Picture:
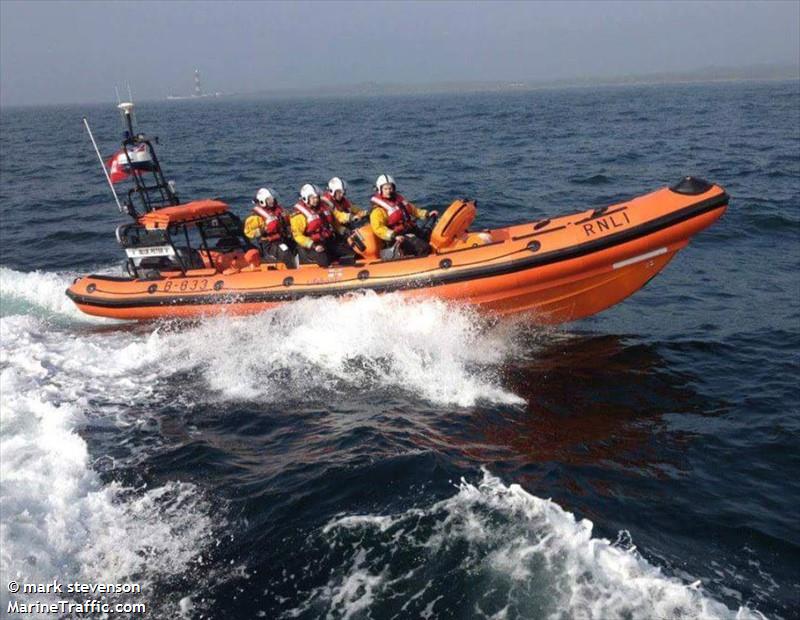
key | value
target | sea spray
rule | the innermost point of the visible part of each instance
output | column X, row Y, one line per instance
column 60, row 520
column 314, row 347
column 40, row 293
column 514, row 555
column 441, row 352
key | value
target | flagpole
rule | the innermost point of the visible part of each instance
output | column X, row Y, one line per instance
column 103, row 166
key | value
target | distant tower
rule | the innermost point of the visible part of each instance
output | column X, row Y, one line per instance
column 198, row 91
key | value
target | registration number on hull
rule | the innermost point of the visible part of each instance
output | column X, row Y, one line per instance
column 183, row 286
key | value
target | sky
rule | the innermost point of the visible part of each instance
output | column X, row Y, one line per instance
column 75, row 52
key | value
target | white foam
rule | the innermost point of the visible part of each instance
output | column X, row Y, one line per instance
column 355, row 593
column 42, row 291
column 436, row 351
column 439, row 352
column 528, row 551
column 59, row 519
column 433, row 350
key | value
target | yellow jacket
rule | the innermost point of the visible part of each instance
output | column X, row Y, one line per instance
column 259, row 228
column 253, row 227
column 298, row 223
column 355, row 212
column 378, row 219
column 344, row 216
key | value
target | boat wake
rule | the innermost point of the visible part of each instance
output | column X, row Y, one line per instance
column 513, row 555
column 440, row 352
column 66, row 516
column 40, row 293
column 314, row 348
column 60, row 519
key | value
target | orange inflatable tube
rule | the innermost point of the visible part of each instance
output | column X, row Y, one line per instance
column 557, row 270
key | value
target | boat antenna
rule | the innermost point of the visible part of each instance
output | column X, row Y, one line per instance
column 103, row 166
column 166, row 190
column 126, row 109
column 116, row 90
column 130, row 97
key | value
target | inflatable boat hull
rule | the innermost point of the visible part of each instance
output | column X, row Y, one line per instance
column 556, row 270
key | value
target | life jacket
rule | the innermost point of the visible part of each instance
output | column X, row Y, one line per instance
column 274, row 222
column 398, row 212
column 331, row 203
column 319, row 224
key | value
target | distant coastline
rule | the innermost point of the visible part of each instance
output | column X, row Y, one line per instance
column 755, row 73
column 770, row 72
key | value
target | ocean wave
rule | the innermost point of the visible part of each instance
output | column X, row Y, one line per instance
column 514, row 555
column 442, row 353
column 595, row 179
column 40, row 293
column 60, row 519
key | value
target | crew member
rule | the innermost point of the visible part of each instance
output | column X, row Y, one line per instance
column 394, row 220
column 268, row 227
column 313, row 228
column 346, row 214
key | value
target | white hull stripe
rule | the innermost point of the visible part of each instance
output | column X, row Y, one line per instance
column 640, row 258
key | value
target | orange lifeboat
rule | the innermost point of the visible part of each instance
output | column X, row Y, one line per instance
column 557, row 270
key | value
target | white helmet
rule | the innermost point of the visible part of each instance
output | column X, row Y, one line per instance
column 308, row 190
column 337, row 184
column 383, row 180
column 264, row 194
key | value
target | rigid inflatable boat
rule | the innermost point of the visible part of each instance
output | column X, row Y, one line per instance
column 191, row 260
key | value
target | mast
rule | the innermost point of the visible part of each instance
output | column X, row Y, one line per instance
column 103, row 165
column 198, row 91
column 161, row 193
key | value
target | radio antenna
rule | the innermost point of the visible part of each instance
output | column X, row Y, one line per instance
column 126, row 109
column 103, row 166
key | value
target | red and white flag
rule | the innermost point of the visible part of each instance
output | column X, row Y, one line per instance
column 119, row 167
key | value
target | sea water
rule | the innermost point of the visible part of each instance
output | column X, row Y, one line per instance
column 374, row 457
